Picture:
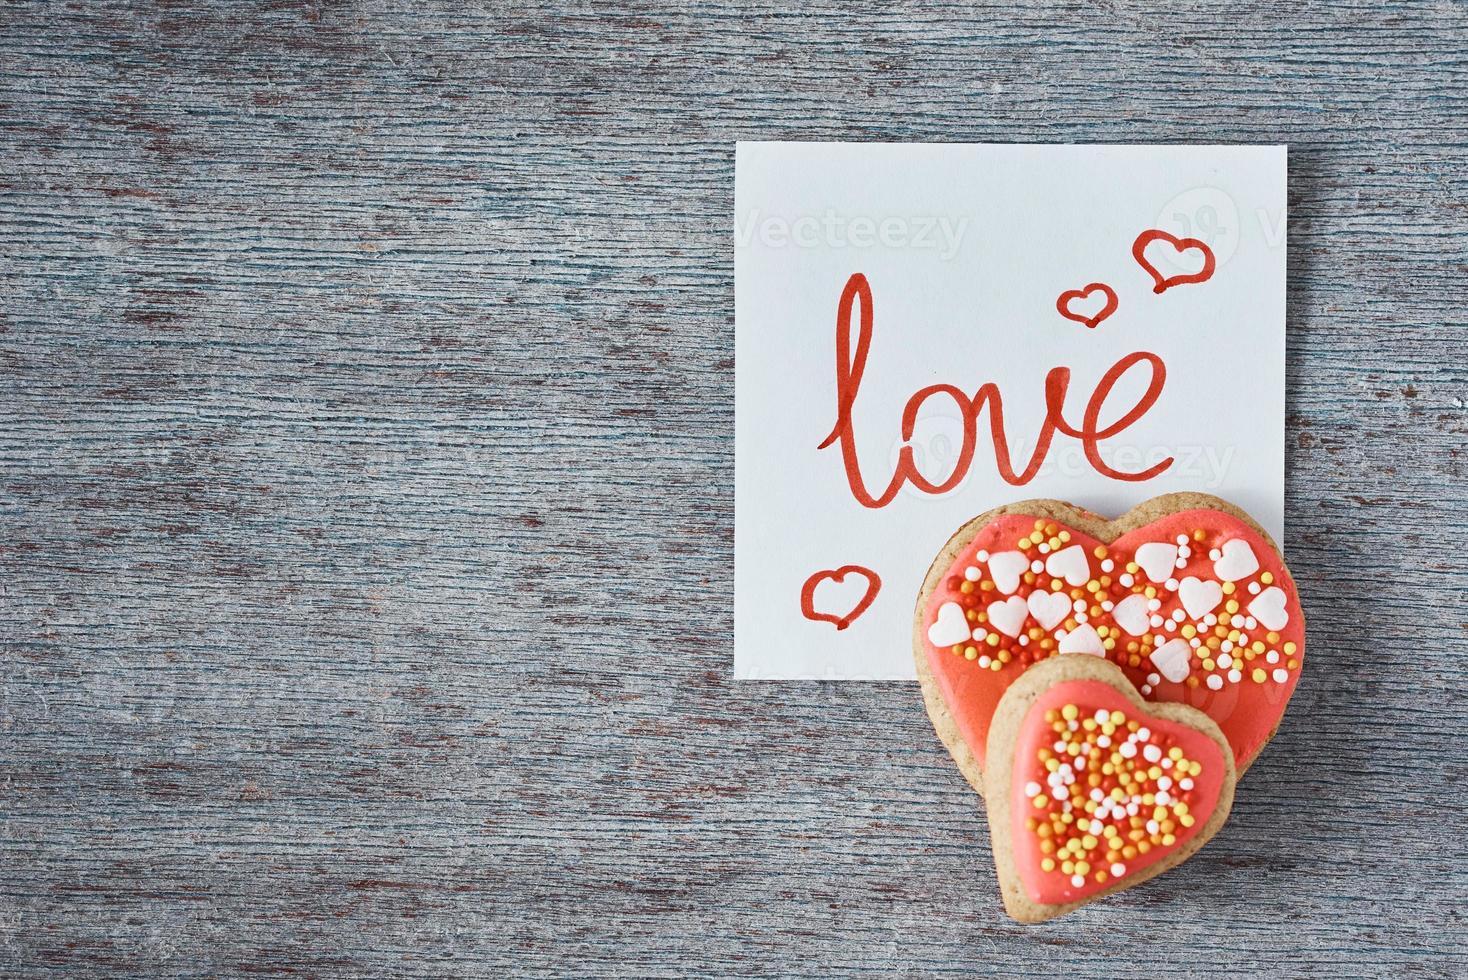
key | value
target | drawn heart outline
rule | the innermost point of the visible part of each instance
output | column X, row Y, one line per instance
column 1019, row 790
column 1246, row 694
column 1062, row 304
column 838, row 575
column 1163, row 283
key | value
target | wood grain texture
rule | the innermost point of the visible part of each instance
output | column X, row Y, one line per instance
column 366, row 469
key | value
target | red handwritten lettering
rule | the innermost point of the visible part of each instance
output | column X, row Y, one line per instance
column 851, row 366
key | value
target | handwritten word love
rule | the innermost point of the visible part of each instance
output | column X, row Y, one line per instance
column 851, row 366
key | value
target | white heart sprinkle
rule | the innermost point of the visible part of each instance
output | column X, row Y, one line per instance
column 1269, row 608
column 1008, row 616
column 950, row 627
column 1070, row 564
column 1199, row 597
column 1006, row 568
column 1172, row 660
column 1048, row 608
column 1236, row 561
column 1131, row 614
column 1156, row 559
column 1083, row 639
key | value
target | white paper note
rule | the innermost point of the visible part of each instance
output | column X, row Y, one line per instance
column 958, row 284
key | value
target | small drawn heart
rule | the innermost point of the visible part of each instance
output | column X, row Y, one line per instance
column 841, row 621
column 1106, row 299
column 1179, row 246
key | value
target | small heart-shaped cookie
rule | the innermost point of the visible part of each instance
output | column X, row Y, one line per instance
column 1090, row 790
column 1186, row 594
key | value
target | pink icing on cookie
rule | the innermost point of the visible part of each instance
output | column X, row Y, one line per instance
column 1100, row 792
column 1196, row 607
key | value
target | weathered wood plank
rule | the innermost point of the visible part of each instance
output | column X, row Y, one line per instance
column 366, row 491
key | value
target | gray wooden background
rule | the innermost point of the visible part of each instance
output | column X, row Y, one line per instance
column 366, row 467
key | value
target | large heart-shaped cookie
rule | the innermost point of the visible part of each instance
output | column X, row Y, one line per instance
column 1091, row 790
column 1185, row 593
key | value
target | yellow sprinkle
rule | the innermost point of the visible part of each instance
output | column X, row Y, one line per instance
column 1228, row 588
column 1188, row 631
column 1258, row 676
column 1289, row 647
column 1267, row 578
column 1069, row 712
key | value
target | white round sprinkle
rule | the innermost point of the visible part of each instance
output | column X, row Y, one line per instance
column 1226, row 646
column 1250, row 622
column 1210, row 620
column 1032, row 788
column 1037, row 567
column 1184, row 551
column 1225, row 661
column 1024, row 639
column 982, row 555
column 1144, row 733
column 1152, row 827
column 1170, row 625
column 1178, row 615
column 1234, row 676
column 1079, row 605
column 972, row 573
column 1167, row 763
column 1097, row 795
column 1195, row 643
column 1077, row 880
column 1163, row 798
column 1182, row 539
column 1170, row 585
column 1107, row 606
column 1281, row 675
column 1185, row 783
column 1127, row 750
column 1118, row 869
column 1154, row 604
column 1214, row 554
column 1215, row 683
column 1107, row 564
column 985, row 661
column 1154, row 678
column 1181, row 563
column 1253, row 588
column 1102, row 714
column 1146, row 689
column 1151, row 753
column 980, row 633
column 1104, row 741
column 1272, row 657
column 1155, row 621
column 1044, row 548
column 1165, row 782
column 1081, row 617
column 1126, row 579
